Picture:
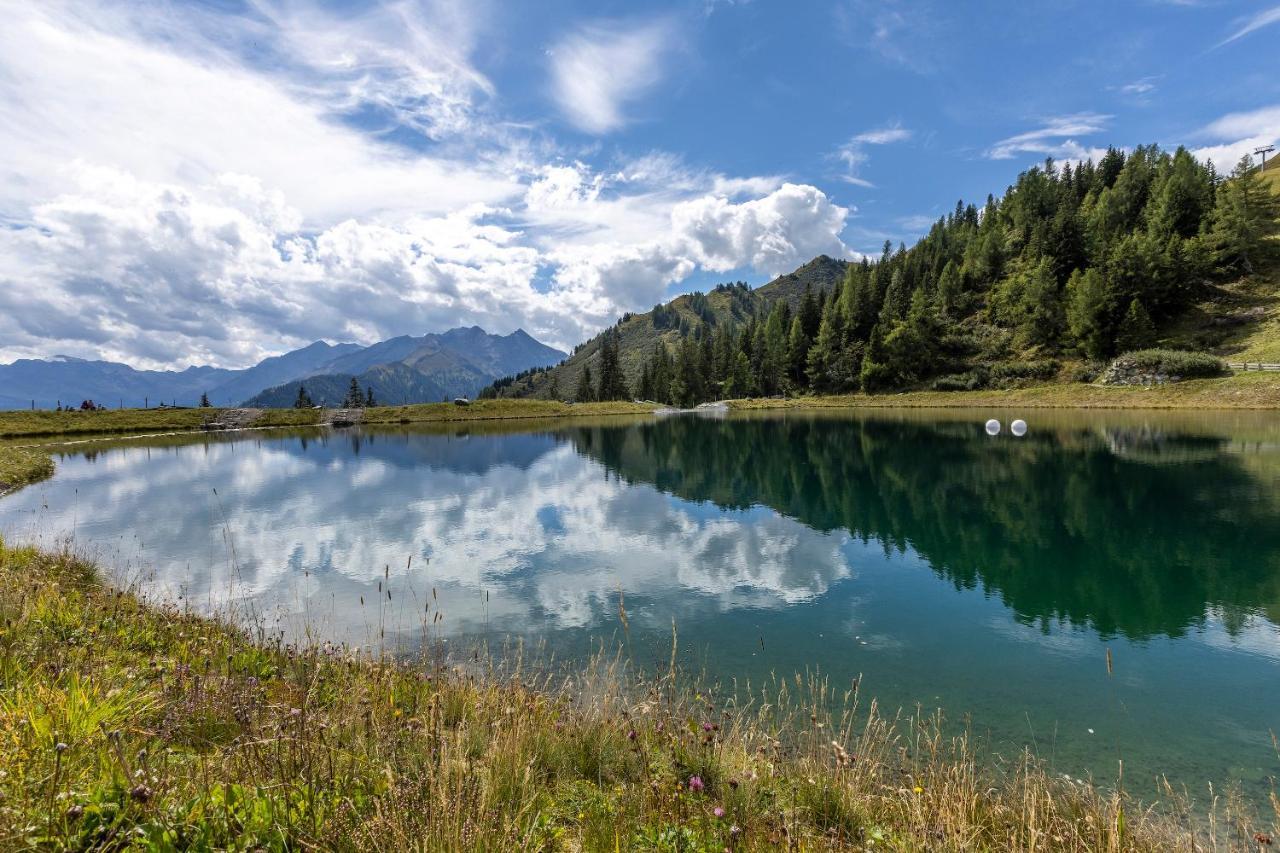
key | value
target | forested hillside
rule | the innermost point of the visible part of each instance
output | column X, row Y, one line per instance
column 1073, row 265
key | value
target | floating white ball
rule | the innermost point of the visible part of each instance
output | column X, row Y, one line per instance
column 1019, row 427
column 993, row 427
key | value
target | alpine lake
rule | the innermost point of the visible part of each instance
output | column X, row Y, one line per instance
column 1104, row 590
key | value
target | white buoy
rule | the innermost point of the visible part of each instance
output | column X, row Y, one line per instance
column 1018, row 428
column 993, row 427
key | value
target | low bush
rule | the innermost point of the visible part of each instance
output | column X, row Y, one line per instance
column 1045, row 369
column 1175, row 362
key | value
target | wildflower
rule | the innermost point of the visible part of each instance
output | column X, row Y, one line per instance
column 918, row 789
column 141, row 793
column 61, row 747
column 718, row 812
column 695, row 784
column 75, row 812
column 631, row 735
column 1262, row 838
column 706, row 727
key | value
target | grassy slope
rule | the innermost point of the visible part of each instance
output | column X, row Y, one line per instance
column 128, row 724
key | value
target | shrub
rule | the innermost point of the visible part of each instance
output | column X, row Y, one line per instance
column 970, row 381
column 1087, row 372
column 1046, row 369
column 1175, row 362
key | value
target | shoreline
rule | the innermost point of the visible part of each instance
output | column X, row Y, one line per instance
column 124, row 717
column 23, row 462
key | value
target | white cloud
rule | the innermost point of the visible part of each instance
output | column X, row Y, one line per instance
column 772, row 234
column 1244, row 27
column 1139, row 88
column 853, row 154
column 1056, row 137
column 1237, row 134
column 179, row 111
column 224, row 208
column 599, row 69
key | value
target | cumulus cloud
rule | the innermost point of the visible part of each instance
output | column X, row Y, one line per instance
column 222, row 208
column 1057, row 137
column 163, row 274
column 772, row 234
column 599, row 69
column 1237, row 134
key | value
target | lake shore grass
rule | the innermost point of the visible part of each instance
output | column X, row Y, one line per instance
column 128, row 724
column 21, row 466
column 21, row 423
column 23, row 459
column 1254, row 390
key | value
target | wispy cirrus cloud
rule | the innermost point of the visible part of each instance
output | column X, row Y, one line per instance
column 601, row 68
column 853, row 154
column 1056, row 137
column 1140, row 88
column 1251, row 24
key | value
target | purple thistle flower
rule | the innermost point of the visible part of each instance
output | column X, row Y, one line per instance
column 718, row 812
column 695, row 784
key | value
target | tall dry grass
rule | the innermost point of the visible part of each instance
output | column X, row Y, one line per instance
column 125, row 726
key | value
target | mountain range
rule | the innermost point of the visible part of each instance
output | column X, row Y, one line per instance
column 404, row 369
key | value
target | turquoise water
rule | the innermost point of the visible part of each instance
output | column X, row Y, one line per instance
column 946, row 568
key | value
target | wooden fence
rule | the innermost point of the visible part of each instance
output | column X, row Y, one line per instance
column 1252, row 365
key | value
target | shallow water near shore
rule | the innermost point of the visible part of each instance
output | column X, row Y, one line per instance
column 989, row 576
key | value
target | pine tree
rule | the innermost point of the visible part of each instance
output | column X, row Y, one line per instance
column 368, row 397
column 737, row 383
column 1246, row 214
column 897, row 299
column 354, row 398
column 1136, row 331
column 586, row 390
column 613, row 386
column 822, row 354
column 797, row 353
column 304, row 400
column 949, row 290
column 204, row 401
column 1088, row 312
column 875, row 374
column 1043, row 316
column 553, row 387
column 773, row 357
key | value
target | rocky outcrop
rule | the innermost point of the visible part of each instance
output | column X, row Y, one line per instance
column 1127, row 371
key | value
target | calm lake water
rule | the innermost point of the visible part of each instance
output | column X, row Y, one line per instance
column 987, row 576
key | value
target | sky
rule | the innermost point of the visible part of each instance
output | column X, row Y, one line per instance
column 215, row 182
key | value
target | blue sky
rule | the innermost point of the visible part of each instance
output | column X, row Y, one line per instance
column 216, row 182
